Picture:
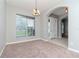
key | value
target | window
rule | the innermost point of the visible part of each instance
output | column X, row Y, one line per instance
column 25, row 26
column 49, row 27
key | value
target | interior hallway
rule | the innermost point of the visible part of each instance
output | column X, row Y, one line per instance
column 37, row 49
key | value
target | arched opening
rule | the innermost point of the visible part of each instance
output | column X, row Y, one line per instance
column 58, row 26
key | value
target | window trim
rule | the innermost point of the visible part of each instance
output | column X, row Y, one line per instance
column 26, row 16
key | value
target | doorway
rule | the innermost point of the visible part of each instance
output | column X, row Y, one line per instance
column 64, row 27
column 59, row 26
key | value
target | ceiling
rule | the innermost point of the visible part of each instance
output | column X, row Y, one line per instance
column 43, row 5
column 59, row 12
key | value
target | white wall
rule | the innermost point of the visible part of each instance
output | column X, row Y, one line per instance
column 2, row 24
column 73, row 24
column 11, row 24
column 59, row 28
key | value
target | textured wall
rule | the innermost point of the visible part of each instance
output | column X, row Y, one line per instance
column 2, row 24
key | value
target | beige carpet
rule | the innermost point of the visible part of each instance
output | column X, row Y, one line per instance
column 37, row 49
column 62, row 42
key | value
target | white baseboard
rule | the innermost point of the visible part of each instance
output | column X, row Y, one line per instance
column 24, row 41
column 73, row 50
column 2, row 51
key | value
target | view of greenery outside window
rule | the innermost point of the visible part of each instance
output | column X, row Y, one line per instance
column 25, row 26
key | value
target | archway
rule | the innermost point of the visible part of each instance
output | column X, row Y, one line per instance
column 58, row 29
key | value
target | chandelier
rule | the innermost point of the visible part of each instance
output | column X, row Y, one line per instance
column 35, row 11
